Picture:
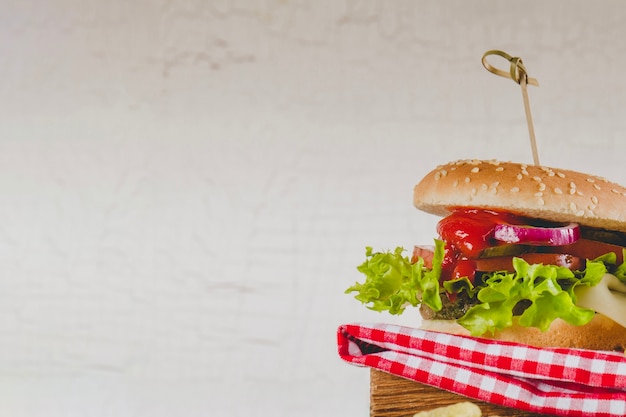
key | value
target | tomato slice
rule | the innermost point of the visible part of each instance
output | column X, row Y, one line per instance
column 505, row 263
column 570, row 256
column 425, row 252
column 591, row 249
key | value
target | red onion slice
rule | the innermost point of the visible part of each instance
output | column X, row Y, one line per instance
column 531, row 235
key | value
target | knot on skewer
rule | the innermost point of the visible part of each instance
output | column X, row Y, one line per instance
column 517, row 70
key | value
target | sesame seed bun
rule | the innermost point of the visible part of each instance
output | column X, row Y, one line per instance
column 529, row 190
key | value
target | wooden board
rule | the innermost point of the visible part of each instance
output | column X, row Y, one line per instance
column 392, row 396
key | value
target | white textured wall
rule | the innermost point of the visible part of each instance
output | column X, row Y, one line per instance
column 186, row 186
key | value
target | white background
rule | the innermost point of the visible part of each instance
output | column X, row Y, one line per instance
column 186, row 187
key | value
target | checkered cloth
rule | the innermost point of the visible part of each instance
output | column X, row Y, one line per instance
column 558, row 381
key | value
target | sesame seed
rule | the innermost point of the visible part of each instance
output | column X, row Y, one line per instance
column 572, row 206
column 514, row 190
column 572, row 185
column 551, row 173
column 539, row 194
column 591, row 180
column 538, row 179
column 560, row 175
column 467, row 179
column 542, row 186
column 475, row 170
column 580, row 213
column 596, row 186
column 444, row 172
column 437, row 176
column 500, row 169
column 541, row 202
column 613, row 190
column 572, row 191
column 452, row 168
column 594, row 199
column 557, row 190
column 519, row 176
column 484, row 187
column 474, row 191
column 455, row 183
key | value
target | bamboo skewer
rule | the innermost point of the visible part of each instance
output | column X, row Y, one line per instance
column 518, row 74
column 393, row 396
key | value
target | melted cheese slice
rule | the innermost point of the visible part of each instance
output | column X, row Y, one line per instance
column 608, row 298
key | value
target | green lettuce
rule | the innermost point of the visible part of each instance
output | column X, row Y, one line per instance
column 547, row 290
column 544, row 292
column 459, row 285
column 393, row 282
column 620, row 272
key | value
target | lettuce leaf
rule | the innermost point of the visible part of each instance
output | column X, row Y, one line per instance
column 459, row 285
column 534, row 295
column 392, row 282
column 620, row 272
column 545, row 292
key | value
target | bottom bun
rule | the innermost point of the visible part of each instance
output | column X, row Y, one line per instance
column 601, row 333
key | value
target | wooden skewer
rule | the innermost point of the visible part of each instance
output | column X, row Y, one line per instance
column 529, row 120
column 518, row 74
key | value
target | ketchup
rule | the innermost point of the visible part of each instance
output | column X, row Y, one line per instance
column 467, row 232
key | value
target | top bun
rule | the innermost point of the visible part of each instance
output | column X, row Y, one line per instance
column 528, row 190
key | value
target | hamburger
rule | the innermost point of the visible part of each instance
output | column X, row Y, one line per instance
column 523, row 253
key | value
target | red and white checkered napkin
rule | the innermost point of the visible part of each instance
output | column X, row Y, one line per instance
column 567, row 382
